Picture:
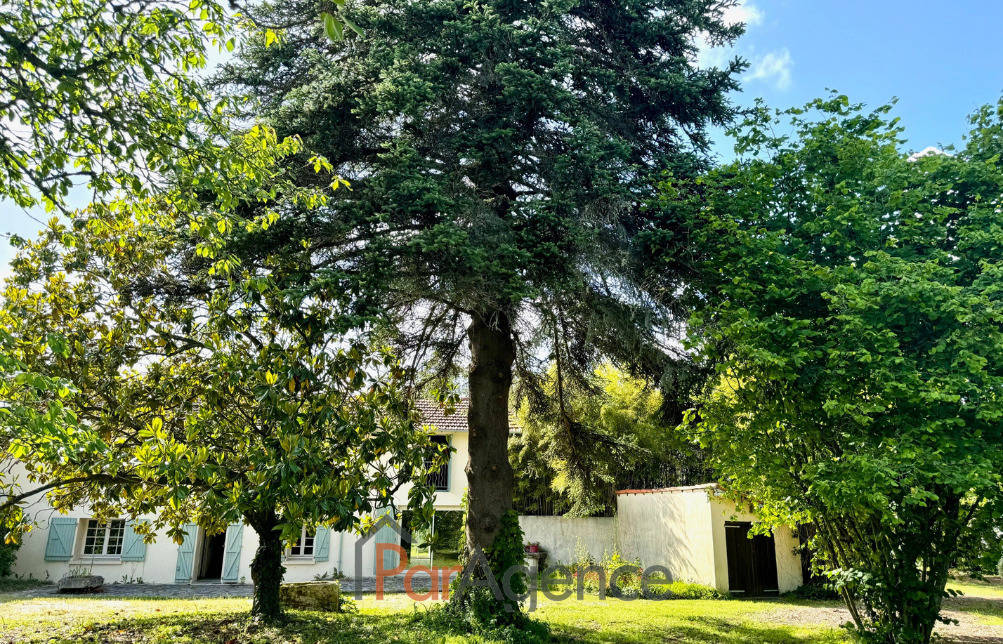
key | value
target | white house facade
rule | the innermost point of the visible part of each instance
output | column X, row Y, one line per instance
column 76, row 542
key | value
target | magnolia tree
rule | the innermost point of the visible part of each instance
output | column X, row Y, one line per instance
column 855, row 318
column 144, row 384
column 107, row 93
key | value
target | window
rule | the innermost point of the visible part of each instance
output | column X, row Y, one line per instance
column 439, row 479
column 303, row 546
column 104, row 538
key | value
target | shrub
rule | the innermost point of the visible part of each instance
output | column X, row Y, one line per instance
column 8, row 552
column 815, row 590
column 688, row 590
column 476, row 610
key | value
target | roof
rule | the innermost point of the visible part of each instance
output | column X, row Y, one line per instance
column 432, row 414
column 681, row 488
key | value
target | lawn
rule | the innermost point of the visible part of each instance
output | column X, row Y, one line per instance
column 397, row 619
column 106, row 619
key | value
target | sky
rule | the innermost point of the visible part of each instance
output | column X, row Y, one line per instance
column 941, row 59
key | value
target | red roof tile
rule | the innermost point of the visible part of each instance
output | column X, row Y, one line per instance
column 432, row 414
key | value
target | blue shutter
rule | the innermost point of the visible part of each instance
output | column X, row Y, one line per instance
column 62, row 533
column 231, row 553
column 133, row 546
column 186, row 555
column 387, row 534
column 321, row 544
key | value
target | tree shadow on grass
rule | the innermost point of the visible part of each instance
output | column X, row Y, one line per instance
column 971, row 604
column 231, row 628
column 700, row 629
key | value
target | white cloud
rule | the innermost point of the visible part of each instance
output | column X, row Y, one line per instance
column 926, row 152
column 773, row 67
column 741, row 12
column 745, row 12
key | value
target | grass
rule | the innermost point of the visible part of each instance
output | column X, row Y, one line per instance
column 105, row 618
column 396, row 619
column 982, row 599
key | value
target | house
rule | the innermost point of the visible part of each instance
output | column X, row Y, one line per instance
column 696, row 532
column 60, row 543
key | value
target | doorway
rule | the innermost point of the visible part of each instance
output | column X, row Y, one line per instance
column 752, row 563
column 211, row 561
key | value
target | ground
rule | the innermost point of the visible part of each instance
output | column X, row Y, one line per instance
column 39, row 616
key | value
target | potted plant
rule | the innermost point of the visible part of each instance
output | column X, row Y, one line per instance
column 533, row 546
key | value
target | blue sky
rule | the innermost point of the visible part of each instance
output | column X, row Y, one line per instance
column 942, row 59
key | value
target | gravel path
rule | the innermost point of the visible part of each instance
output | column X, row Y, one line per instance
column 420, row 582
column 969, row 629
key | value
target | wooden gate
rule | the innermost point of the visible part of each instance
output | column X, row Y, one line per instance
column 752, row 563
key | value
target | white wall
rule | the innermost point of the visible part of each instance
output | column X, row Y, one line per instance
column 559, row 536
column 671, row 529
column 157, row 567
column 679, row 528
column 451, row 499
column 161, row 556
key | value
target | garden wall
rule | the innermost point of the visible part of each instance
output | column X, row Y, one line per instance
column 559, row 536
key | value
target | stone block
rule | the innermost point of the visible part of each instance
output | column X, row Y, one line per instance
column 80, row 584
column 311, row 595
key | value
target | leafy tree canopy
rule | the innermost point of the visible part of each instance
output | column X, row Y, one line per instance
column 854, row 315
column 141, row 383
column 499, row 155
column 109, row 93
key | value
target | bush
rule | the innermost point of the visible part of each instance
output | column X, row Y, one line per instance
column 815, row 590
column 8, row 552
column 477, row 617
column 688, row 590
column 628, row 584
column 476, row 610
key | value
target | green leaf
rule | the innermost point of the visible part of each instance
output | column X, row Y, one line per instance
column 332, row 27
column 351, row 25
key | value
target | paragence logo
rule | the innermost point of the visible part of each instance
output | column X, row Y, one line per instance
column 557, row 583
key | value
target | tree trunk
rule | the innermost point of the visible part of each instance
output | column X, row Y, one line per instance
column 489, row 475
column 266, row 567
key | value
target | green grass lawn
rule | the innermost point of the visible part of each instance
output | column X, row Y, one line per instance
column 396, row 619
column 981, row 599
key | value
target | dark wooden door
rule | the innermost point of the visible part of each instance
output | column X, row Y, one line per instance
column 752, row 563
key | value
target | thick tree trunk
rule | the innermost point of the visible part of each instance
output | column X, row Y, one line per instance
column 266, row 567
column 489, row 475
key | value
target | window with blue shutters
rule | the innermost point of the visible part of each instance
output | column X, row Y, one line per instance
column 104, row 538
